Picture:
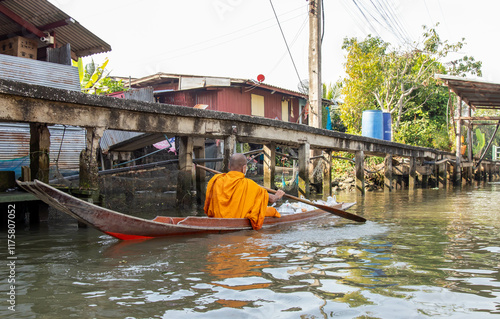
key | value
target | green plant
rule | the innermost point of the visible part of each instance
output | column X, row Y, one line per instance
column 480, row 142
column 94, row 79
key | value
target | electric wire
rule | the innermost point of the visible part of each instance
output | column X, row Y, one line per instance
column 287, row 47
column 236, row 33
column 322, row 20
column 383, row 15
column 291, row 45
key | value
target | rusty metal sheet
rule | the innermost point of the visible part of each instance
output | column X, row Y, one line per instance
column 39, row 72
column 15, row 144
column 42, row 13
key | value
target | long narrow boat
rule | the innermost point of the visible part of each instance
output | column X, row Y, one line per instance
column 127, row 227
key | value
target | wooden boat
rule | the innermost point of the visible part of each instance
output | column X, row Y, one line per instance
column 127, row 227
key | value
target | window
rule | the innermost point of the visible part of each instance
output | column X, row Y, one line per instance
column 284, row 111
column 257, row 105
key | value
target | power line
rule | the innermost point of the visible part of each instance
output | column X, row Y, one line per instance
column 219, row 40
column 291, row 44
column 383, row 14
column 284, row 39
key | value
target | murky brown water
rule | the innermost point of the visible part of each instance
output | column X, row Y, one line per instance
column 430, row 253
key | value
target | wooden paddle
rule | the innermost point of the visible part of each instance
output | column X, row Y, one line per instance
column 328, row 209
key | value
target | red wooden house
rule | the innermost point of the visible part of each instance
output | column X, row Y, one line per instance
column 226, row 94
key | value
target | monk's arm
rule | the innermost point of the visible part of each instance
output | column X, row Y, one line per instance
column 276, row 197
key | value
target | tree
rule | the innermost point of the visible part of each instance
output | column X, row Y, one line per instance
column 333, row 93
column 364, row 75
column 397, row 81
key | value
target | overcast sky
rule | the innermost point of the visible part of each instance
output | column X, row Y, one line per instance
column 241, row 38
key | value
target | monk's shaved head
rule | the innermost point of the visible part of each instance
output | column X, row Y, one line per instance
column 237, row 161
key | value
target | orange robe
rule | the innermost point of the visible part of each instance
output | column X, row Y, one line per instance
column 231, row 195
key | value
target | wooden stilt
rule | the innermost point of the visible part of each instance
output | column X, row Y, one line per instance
column 388, row 181
column 39, row 151
column 327, row 174
column 304, row 183
column 458, row 140
column 39, row 166
column 412, row 181
column 359, row 158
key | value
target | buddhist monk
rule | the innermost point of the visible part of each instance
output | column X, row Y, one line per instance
column 232, row 195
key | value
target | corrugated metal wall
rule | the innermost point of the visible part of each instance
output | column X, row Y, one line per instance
column 112, row 137
column 233, row 100
column 39, row 72
column 208, row 97
column 143, row 94
column 15, row 144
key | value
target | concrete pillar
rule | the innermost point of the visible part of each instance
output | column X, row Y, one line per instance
column 327, row 174
column 229, row 149
column 388, row 180
column 200, row 174
column 184, row 178
column 89, row 178
column 412, row 181
column 304, row 183
column 490, row 173
column 359, row 158
column 269, row 165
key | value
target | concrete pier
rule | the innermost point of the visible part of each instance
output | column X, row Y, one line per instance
column 43, row 106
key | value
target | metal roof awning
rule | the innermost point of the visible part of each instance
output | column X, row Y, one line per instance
column 40, row 17
column 478, row 94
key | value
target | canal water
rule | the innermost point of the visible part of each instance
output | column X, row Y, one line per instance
column 423, row 254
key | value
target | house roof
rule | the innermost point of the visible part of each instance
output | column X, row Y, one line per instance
column 478, row 94
column 38, row 17
column 209, row 81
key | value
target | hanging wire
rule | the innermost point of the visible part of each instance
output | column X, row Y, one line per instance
column 322, row 20
column 60, row 146
column 287, row 47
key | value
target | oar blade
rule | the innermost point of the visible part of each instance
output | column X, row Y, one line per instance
column 341, row 213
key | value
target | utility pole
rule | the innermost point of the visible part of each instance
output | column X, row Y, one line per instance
column 315, row 85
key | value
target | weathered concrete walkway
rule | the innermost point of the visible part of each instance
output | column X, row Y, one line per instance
column 44, row 106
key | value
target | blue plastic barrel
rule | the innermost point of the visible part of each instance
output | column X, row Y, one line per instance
column 387, row 126
column 372, row 124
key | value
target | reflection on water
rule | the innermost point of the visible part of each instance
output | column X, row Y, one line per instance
column 423, row 254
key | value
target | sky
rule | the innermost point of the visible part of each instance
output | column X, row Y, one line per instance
column 242, row 39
